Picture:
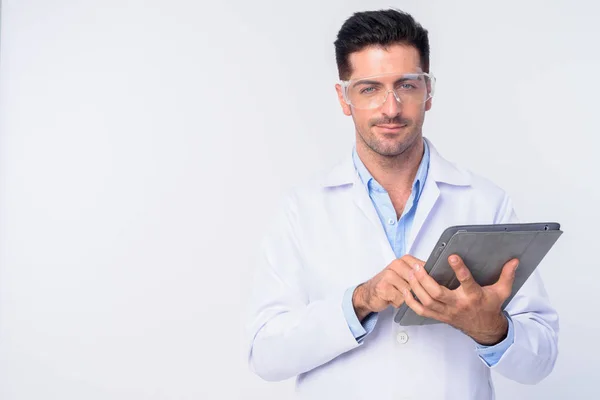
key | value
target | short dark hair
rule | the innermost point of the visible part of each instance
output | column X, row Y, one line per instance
column 379, row 28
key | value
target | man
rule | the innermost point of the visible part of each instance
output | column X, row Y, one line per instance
column 346, row 251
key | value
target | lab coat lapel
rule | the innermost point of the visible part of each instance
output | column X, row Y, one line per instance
column 429, row 197
column 363, row 202
column 441, row 171
column 345, row 174
column 367, row 219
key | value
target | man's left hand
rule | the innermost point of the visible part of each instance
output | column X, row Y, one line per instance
column 471, row 308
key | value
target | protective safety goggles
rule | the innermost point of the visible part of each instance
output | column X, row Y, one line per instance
column 372, row 91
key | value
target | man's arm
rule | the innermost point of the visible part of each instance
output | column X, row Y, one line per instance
column 522, row 345
column 288, row 335
column 534, row 351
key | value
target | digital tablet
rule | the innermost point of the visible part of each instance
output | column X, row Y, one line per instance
column 485, row 249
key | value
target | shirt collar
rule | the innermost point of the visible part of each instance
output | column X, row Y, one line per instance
column 440, row 171
column 371, row 184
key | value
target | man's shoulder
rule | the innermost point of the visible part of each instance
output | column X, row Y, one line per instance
column 490, row 199
column 485, row 185
column 312, row 190
column 458, row 174
column 337, row 172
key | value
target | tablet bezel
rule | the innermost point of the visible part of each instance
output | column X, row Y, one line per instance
column 513, row 227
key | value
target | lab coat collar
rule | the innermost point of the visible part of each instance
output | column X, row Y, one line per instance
column 440, row 170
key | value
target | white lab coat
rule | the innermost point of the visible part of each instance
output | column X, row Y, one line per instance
column 327, row 237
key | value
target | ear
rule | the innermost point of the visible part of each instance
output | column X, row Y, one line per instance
column 428, row 104
column 429, row 101
column 345, row 107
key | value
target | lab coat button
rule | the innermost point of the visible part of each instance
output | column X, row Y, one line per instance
column 402, row 337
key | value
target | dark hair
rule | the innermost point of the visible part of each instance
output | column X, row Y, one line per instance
column 379, row 28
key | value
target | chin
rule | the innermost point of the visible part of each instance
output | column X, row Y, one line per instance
column 391, row 146
column 388, row 150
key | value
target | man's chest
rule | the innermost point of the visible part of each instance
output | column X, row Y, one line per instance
column 345, row 243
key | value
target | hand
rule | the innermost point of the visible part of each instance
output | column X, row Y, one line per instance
column 385, row 288
column 471, row 308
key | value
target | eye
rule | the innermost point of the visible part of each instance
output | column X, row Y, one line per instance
column 407, row 86
column 368, row 90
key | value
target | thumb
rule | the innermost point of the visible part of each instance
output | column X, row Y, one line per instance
column 507, row 278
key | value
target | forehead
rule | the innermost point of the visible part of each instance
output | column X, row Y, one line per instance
column 376, row 60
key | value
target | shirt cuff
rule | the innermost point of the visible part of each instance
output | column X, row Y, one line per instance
column 358, row 329
column 492, row 354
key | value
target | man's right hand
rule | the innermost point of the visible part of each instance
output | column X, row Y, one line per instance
column 385, row 288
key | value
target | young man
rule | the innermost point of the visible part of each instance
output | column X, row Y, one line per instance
column 346, row 251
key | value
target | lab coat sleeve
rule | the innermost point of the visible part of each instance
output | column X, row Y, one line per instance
column 492, row 354
column 359, row 329
column 287, row 332
column 533, row 353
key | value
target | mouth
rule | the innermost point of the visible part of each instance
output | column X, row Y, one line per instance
column 390, row 127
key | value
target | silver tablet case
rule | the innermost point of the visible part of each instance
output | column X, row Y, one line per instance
column 485, row 253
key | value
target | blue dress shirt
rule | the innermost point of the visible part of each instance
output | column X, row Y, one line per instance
column 397, row 230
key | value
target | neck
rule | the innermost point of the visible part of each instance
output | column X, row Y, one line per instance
column 394, row 173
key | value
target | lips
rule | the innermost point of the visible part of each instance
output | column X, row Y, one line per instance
column 386, row 126
column 390, row 128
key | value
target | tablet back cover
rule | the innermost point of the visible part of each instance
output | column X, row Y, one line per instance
column 485, row 253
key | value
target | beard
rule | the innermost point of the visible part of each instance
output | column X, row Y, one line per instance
column 391, row 144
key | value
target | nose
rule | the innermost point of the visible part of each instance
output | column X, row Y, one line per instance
column 391, row 105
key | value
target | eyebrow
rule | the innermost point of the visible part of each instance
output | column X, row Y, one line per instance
column 371, row 82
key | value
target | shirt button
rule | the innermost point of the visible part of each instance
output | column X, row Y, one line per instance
column 402, row 337
column 391, row 221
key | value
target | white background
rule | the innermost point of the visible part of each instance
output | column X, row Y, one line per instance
column 144, row 143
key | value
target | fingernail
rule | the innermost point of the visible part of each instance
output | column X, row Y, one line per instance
column 453, row 259
column 411, row 275
column 417, row 267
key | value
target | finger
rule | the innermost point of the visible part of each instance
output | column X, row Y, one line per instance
column 406, row 271
column 387, row 292
column 402, row 268
column 396, row 284
column 411, row 261
column 463, row 274
column 419, row 308
column 424, row 296
column 507, row 278
column 397, row 299
column 434, row 289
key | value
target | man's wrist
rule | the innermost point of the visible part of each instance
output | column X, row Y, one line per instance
column 497, row 333
column 360, row 308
